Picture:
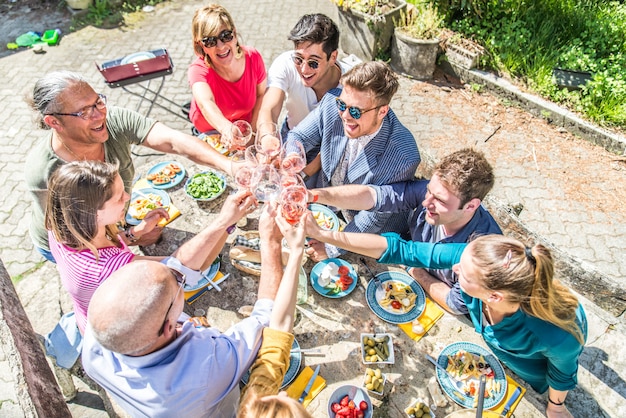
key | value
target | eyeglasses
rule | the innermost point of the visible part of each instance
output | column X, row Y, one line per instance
column 311, row 63
column 224, row 36
column 87, row 111
column 355, row 112
column 181, row 279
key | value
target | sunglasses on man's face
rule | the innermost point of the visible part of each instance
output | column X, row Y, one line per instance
column 311, row 63
column 354, row 111
column 224, row 36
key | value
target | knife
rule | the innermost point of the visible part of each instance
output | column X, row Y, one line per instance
column 377, row 282
column 309, row 385
column 510, row 402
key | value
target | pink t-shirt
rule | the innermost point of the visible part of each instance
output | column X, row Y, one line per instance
column 81, row 274
column 235, row 100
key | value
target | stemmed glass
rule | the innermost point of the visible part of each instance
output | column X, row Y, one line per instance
column 268, row 141
column 240, row 135
column 293, row 157
column 293, row 202
column 265, row 183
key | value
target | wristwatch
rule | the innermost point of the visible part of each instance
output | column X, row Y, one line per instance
column 131, row 237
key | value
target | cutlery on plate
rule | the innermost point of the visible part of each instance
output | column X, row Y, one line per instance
column 214, row 285
column 458, row 383
column 510, row 402
column 376, row 280
column 481, row 396
column 309, row 385
column 306, row 350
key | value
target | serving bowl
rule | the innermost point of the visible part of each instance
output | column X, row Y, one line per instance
column 354, row 393
column 206, row 186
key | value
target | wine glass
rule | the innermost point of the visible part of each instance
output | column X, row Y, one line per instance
column 293, row 157
column 268, row 140
column 293, row 202
column 265, row 183
column 240, row 134
column 290, row 179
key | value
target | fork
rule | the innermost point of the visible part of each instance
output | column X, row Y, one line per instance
column 374, row 278
column 457, row 383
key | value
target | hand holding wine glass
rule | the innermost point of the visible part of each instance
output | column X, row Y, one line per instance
column 268, row 141
column 293, row 157
column 293, row 201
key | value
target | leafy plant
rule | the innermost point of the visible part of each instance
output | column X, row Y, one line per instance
column 370, row 7
column 420, row 22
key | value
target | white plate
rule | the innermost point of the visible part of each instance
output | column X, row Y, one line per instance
column 137, row 56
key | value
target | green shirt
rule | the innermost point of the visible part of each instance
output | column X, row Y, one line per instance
column 125, row 128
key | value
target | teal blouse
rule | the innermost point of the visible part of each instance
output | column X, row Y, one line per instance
column 541, row 353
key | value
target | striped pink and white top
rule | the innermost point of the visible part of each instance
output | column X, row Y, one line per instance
column 81, row 274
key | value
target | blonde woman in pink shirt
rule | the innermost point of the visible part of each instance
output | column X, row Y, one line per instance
column 86, row 200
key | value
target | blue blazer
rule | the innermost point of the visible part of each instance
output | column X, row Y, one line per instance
column 391, row 156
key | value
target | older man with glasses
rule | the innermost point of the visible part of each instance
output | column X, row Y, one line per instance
column 81, row 126
column 140, row 347
column 360, row 141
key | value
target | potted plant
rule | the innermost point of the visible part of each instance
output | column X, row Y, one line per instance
column 366, row 26
column 415, row 43
column 460, row 51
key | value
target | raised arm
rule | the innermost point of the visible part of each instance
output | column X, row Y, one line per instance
column 285, row 303
column 350, row 196
column 203, row 94
column 165, row 139
column 271, row 106
column 199, row 252
column 271, row 266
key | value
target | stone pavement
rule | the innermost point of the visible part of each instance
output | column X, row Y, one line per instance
column 571, row 192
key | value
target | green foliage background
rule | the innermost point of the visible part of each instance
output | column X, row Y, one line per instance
column 529, row 38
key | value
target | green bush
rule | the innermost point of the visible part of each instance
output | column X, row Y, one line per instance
column 528, row 38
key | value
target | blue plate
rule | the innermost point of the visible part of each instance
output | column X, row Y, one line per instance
column 213, row 139
column 450, row 388
column 374, row 295
column 207, row 276
column 178, row 178
column 165, row 199
column 295, row 360
column 315, row 207
column 328, row 291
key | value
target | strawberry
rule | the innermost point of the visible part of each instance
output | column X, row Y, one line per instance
column 335, row 407
column 363, row 406
column 351, row 404
column 360, row 414
column 345, row 401
column 345, row 411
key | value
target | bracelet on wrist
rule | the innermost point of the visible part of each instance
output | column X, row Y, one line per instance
column 555, row 403
column 231, row 229
column 130, row 236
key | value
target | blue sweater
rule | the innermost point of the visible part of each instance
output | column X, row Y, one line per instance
column 536, row 350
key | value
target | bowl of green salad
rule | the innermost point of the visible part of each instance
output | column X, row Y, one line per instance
column 206, row 186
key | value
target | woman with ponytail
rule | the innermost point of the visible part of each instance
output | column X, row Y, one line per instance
column 529, row 320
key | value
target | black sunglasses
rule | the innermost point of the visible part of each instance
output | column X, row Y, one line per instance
column 181, row 279
column 355, row 112
column 224, row 36
column 299, row 60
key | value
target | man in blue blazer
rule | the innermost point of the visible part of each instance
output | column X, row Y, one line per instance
column 359, row 141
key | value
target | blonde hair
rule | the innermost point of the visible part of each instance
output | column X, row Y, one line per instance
column 527, row 276
column 255, row 406
column 207, row 21
column 76, row 191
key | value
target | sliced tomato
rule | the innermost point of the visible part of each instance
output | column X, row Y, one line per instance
column 395, row 304
column 347, row 279
column 344, row 286
column 343, row 270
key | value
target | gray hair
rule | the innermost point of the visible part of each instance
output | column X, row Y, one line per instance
column 47, row 91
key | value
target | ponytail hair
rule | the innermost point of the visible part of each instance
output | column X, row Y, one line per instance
column 527, row 276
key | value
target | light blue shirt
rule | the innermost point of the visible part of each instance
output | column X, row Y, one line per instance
column 196, row 375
